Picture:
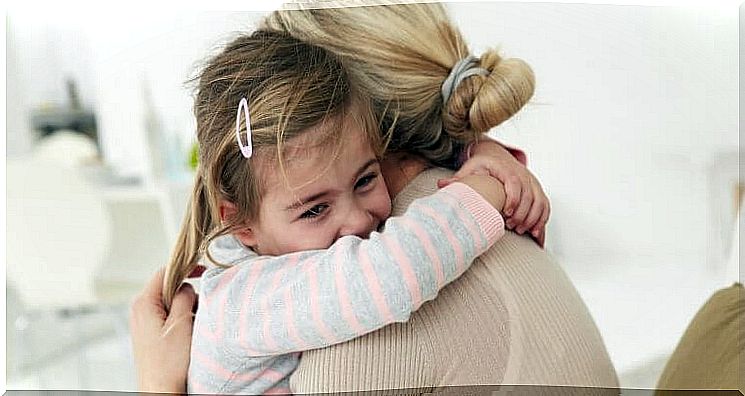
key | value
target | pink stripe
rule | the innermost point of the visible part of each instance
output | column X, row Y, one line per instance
column 290, row 314
column 272, row 375
column 281, row 390
column 201, row 328
column 226, row 374
column 270, row 344
column 405, row 265
column 480, row 242
column 267, row 374
column 432, row 254
column 249, row 288
column 346, row 306
column 224, row 291
column 445, row 228
column 212, row 366
column 315, row 310
column 204, row 332
column 373, row 284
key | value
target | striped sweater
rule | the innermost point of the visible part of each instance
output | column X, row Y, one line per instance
column 258, row 313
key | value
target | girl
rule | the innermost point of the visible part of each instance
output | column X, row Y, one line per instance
column 287, row 217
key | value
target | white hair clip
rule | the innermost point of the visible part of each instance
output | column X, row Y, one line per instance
column 246, row 150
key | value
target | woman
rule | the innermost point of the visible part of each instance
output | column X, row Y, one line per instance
column 517, row 320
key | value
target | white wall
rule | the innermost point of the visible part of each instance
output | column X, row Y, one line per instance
column 633, row 129
column 631, row 103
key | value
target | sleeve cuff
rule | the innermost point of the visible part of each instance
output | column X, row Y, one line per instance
column 486, row 216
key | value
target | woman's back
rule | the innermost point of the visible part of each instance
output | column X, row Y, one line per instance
column 513, row 318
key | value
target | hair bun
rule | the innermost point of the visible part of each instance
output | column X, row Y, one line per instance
column 480, row 103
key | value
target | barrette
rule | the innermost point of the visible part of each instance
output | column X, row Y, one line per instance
column 246, row 150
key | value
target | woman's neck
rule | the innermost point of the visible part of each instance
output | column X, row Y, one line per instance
column 401, row 168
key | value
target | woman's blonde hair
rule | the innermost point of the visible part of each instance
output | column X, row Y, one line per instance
column 399, row 55
column 290, row 86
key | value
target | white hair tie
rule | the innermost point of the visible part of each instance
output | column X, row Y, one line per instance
column 462, row 69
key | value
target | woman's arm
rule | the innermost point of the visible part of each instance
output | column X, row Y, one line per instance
column 161, row 340
column 307, row 300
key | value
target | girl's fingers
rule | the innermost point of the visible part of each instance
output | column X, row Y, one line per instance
column 540, row 227
column 513, row 191
column 536, row 211
column 541, row 238
column 526, row 201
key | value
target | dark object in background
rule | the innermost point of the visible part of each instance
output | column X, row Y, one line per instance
column 46, row 121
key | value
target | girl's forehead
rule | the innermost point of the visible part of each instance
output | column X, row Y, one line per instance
column 325, row 138
column 307, row 160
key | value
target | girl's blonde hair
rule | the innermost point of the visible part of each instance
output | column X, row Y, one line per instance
column 290, row 86
column 399, row 55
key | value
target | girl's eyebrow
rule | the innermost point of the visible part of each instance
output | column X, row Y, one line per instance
column 299, row 203
column 365, row 166
column 305, row 200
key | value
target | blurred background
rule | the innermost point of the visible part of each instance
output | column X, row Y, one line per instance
column 633, row 132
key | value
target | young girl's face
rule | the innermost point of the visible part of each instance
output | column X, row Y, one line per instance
column 346, row 197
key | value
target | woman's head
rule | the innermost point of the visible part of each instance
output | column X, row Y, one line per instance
column 400, row 56
column 293, row 193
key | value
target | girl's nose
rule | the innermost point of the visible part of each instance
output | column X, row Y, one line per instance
column 358, row 221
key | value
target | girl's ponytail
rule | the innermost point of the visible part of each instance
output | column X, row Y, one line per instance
column 196, row 226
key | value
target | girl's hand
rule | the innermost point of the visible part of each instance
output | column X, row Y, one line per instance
column 161, row 341
column 526, row 208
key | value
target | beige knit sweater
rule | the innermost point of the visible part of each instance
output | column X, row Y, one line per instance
column 513, row 318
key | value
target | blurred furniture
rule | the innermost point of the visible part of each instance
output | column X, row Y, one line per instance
column 142, row 236
column 79, row 246
column 57, row 235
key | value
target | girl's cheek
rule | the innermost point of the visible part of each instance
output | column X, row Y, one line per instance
column 317, row 237
column 384, row 204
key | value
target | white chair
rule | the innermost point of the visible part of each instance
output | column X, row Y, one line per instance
column 57, row 236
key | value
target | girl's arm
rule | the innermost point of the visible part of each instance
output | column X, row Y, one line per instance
column 308, row 300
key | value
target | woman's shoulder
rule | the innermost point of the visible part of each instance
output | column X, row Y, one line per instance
column 424, row 184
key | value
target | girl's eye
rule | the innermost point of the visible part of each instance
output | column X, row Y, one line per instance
column 314, row 212
column 365, row 180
